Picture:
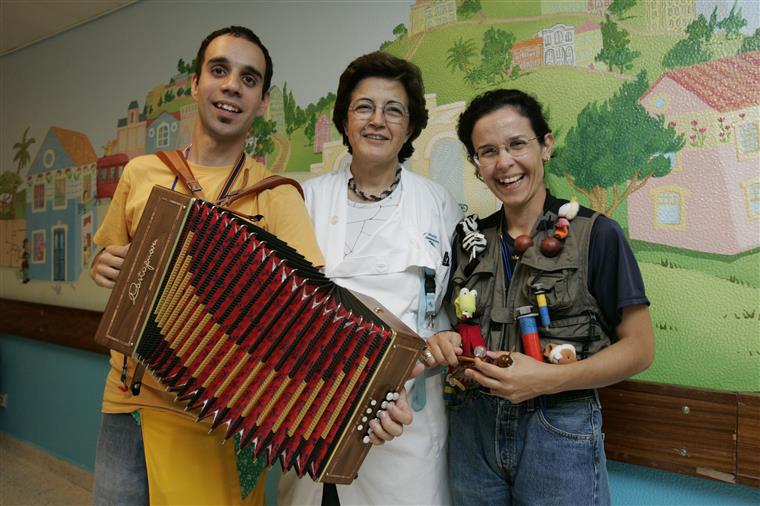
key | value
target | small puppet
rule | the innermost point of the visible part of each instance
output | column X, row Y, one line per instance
column 465, row 306
column 560, row 353
column 473, row 344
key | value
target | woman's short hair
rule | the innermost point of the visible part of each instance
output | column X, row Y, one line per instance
column 384, row 65
column 493, row 100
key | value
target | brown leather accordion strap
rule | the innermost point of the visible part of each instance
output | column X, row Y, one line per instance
column 265, row 184
column 175, row 160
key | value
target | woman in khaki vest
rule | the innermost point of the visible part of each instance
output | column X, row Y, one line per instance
column 530, row 433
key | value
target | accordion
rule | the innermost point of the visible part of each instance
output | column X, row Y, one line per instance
column 249, row 334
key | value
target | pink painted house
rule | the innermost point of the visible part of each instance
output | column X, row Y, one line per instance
column 321, row 132
column 711, row 199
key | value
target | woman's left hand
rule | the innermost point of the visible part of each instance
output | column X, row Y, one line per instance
column 398, row 413
column 392, row 420
column 525, row 379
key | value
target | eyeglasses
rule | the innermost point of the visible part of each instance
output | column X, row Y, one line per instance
column 393, row 112
column 487, row 156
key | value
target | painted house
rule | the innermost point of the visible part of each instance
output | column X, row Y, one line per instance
column 713, row 189
column 426, row 14
column 60, row 189
column 188, row 115
column 130, row 132
column 528, row 54
column 549, row 7
column 588, row 43
column 669, row 17
column 321, row 132
column 163, row 132
column 597, row 7
column 559, row 44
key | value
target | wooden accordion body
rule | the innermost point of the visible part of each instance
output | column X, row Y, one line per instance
column 248, row 333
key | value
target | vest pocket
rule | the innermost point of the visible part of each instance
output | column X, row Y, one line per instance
column 556, row 284
column 582, row 331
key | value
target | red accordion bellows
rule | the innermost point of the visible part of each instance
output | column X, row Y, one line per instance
column 250, row 334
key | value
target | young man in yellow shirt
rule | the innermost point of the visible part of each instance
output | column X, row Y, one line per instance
column 183, row 464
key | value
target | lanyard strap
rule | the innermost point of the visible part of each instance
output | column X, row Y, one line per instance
column 505, row 261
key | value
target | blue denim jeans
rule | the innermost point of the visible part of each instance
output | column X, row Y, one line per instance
column 513, row 454
column 120, row 474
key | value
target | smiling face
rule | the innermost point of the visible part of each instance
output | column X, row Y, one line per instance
column 375, row 141
column 517, row 181
column 229, row 89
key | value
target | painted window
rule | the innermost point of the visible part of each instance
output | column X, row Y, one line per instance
column 86, row 187
column 38, row 202
column 749, row 140
column 660, row 102
column 162, row 135
column 752, row 197
column 668, row 208
column 557, row 37
column 38, row 246
column 59, row 193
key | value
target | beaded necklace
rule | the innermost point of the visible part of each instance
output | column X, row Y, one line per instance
column 371, row 197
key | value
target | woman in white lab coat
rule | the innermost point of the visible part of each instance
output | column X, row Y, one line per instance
column 386, row 232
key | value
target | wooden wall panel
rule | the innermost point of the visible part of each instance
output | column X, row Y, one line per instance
column 692, row 431
column 748, row 444
column 54, row 324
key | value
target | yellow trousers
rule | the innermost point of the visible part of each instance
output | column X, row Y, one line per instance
column 186, row 465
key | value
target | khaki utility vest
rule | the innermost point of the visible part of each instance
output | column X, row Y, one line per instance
column 575, row 315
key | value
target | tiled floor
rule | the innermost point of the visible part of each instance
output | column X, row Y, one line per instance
column 29, row 476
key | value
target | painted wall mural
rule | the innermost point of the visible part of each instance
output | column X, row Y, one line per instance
column 656, row 110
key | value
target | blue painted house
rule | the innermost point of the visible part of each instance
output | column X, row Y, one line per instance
column 163, row 132
column 60, row 214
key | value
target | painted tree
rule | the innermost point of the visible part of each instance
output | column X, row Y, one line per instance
column 615, row 148
column 9, row 184
column 694, row 48
column 751, row 42
column 294, row 115
column 400, row 31
column 468, row 8
column 459, row 56
column 496, row 54
column 618, row 8
column 22, row 157
column 615, row 52
column 311, row 127
column 261, row 143
column 733, row 23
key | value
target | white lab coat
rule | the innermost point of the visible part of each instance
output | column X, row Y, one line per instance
column 410, row 469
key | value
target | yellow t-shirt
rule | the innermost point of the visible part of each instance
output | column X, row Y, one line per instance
column 284, row 215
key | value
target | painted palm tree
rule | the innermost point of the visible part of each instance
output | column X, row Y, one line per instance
column 22, row 151
column 459, row 55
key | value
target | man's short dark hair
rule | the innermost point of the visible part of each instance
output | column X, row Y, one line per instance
column 236, row 31
column 384, row 65
column 492, row 101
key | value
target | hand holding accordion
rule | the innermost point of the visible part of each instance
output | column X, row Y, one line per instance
column 248, row 333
